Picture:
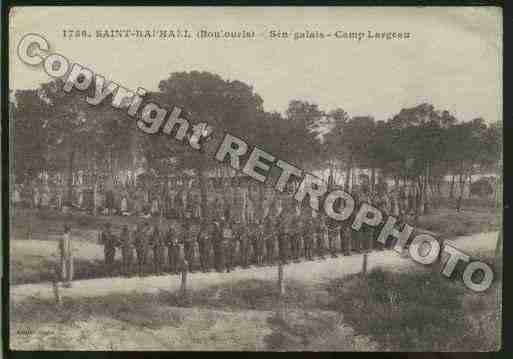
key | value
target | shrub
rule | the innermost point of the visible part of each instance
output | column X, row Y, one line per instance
column 404, row 311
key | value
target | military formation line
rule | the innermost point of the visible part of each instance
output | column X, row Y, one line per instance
column 223, row 242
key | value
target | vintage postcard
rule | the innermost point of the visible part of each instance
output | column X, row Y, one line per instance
column 255, row 178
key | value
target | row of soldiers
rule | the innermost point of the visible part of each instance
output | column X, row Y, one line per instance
column 224, row 243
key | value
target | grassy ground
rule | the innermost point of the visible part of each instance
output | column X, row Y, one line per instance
column 414, row 311
column 48, row 223
column 448, row 223
column 421, row 311
column 237, row 317
column 132, row 323
column 33, row 261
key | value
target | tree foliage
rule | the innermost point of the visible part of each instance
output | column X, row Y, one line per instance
column 59, row 132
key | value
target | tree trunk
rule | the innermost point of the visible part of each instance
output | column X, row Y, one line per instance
column 425, row 194
column 498, row 248
column 439, row 187
column 461, row 189
column 338, row 175
column 95, row 195
column 462, row 185
column 183, row 283
column 331, row 177
column 364, row 264
column 418, row 198
column 55, row 287
column 111, row 163
column 71, row 161
column 261, row 197
column 348, row 175
column 469, row 185
column 373, row 179
column 451, row 191
column 498, row 192
column 203, row 191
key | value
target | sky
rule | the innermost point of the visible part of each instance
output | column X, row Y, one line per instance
column 453, row 58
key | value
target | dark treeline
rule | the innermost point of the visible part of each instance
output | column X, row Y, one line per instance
column 59, row 134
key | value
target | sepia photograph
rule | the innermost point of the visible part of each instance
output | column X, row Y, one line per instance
column 303, row 179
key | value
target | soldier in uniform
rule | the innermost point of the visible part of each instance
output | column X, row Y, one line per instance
column 150, row 257
column 244, row 243
column 284, row 232
column 109, row 200
column 178, row 204
column 168, row 201
column 66, row 257
column 394, row 209
column 411, row 201
column 294, row 236
column 229, row 243
column 345, row 238
column 238, row 229
column 353, row 235
column 204, row 243
column 228, row 209
column 308, row 237
column 383, row 203
column 318, row 231
column 375, row 201
column 127, row 250
column 141, row 248
column 109, row 242
column 358, row 236
column 402, row 201
column 195, row 231
column 401, row 221
column 252, row 243
column 158, row 250
column 188, row 240
column 260, row 244
column 301, row 237
column 218, row 248
column 333, row 232
column 171, row 242
column 213, row 232
column 181, row 262
column 267, row 230
column 365, row 232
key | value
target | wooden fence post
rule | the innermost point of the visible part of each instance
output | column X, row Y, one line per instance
column 55, row 285
column 364, row 264
column 29, row 227
column 498, row 246
column 281, row 291
column 29, row 230
column 183, row 286
column 281, row 286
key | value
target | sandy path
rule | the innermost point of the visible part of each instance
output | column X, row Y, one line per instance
column 305, row 272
